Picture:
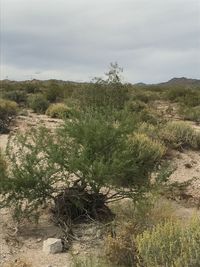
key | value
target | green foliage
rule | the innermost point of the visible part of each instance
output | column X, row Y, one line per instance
column 8, row 109
column 190, row 113
column 171, row 244
column 191, row 99
column 133, row 218
column 180, row 135
column 145, row 95
column 99, row 150
column 185, row 96
column 105, row 150
column 136, row 106
column 38, row 103
column 149, row 115
column 151, row 130
column 18, row 96
column 31, row 177
column 101, row 94
column 58, row 110
column 32, row 88
column 53, row 92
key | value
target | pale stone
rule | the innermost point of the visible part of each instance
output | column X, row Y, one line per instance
column 52, row 246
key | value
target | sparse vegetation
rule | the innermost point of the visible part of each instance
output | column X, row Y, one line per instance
column 171, row 244
column 116, row 143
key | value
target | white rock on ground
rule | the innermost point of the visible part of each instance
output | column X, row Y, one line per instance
column 52, row 246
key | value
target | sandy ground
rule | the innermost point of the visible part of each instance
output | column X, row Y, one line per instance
column 187, row 166
column 27, row 243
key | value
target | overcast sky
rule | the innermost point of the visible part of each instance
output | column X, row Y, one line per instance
column 153, row 40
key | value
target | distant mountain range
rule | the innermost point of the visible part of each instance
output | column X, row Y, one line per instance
column 186, row 82
column 176, row 82
column 182, row 81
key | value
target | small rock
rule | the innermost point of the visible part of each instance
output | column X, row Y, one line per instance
column 39, row 240
column 75, row 253
column 52, row 246
column 98, row 233
column 188, row 165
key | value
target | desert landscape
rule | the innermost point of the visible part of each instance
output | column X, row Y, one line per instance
column 173, row 193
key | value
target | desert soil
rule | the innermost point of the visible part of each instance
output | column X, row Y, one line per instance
column 25, row 243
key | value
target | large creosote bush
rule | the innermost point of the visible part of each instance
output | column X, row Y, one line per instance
column 103, row 93
column 38, row 103
column 53, row 92
column 171, row 244
column 73, row 165
column 8, row 109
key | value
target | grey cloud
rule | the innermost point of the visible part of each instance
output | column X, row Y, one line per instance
column 152, row 40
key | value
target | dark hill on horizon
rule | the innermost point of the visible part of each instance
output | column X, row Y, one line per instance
column 182, row 81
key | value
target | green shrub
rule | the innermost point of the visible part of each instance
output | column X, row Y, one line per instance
column 8, row 109
column 184, row 96
column 32, row 88
column 149, row 129
column 149, row 115
column 38, row 103
column 19, row 97
column 147, row 152
column 180, row 135
column 132, row 218
column 100, row 94
column 192, row 99
column 145, row 96
column 58, row 111
column 176, row 93
column 190, row 113
column 53, row 92
column 135, row 106
column 143, row 112
column 98, row 150
column 171, row 244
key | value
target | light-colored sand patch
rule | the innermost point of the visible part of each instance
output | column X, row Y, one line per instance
column 3, row 141
column 188, row 167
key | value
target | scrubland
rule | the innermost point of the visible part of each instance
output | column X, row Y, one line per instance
column 111, row 168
